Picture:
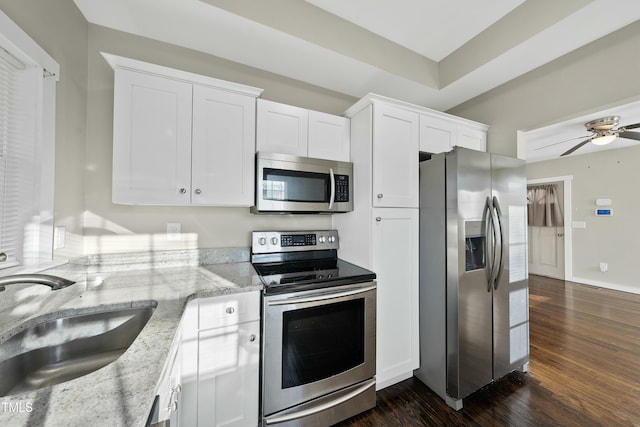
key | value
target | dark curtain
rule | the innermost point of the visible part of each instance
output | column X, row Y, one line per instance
column 543, row 207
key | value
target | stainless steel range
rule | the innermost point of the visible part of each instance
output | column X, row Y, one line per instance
column 318, row 330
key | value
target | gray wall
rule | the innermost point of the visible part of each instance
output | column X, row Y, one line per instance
column 84, row 136
column 60, row 29
column 611, row 174
column 597, row 76
column 117, row 228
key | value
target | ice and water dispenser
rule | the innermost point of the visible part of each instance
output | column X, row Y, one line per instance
column 474, row 242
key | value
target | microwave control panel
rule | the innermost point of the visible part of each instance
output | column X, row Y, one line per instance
column 289, row 241
column 342, row 188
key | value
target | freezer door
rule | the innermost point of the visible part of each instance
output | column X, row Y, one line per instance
column 469, row 298
column 510, row 293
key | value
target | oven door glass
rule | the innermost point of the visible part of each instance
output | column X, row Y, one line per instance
column 295, row 186
column 321, row 342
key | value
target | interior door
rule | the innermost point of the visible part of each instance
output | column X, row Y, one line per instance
column 546, row 245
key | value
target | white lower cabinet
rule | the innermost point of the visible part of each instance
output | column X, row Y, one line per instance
column 385, row 240
column 221, row 345
column 394, row 247
column 228, row 365
column 170, row 387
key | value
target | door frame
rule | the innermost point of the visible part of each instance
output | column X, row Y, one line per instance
column 568, row 225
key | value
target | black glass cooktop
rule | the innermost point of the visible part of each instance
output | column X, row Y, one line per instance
column 279, row 277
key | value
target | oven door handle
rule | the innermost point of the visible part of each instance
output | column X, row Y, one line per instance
column 322, row 407
column 320, row 296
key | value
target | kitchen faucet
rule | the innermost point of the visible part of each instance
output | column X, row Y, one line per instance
column 54, row 282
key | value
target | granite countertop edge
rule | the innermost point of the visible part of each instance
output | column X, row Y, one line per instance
column 121, row 393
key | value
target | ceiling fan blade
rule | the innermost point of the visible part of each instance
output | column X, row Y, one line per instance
column 575, row 147
column 630, row 135
column 560, row 142
column 633, row 126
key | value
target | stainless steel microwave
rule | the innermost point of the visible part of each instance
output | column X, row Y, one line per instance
column 293, row 184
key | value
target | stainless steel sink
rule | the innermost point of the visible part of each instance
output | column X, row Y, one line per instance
column 55, row 351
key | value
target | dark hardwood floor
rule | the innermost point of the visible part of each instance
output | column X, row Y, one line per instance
column 584, row 370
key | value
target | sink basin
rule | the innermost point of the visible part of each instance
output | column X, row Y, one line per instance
column 59, row 350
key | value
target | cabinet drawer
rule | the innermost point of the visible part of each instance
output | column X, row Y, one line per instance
column 228, row 310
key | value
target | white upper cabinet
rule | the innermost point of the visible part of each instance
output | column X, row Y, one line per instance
column 473, row 138
column 151, row 139
column 223, row 148
column 329, row 136
column 286, row 129
column 282, row 128
column 181, row 138
column 436, row 135
column 395, row 157
column 439, row 133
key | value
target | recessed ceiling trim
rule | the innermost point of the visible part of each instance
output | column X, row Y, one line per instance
column 310, row 23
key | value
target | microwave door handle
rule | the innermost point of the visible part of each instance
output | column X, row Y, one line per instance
column 333, row 188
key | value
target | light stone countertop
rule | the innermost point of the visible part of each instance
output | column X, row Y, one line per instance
column 121, row 393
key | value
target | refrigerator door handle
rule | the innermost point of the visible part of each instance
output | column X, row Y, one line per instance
column 488, row 243
column 496, row 206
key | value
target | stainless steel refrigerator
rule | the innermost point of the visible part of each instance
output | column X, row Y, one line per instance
column 474, row 312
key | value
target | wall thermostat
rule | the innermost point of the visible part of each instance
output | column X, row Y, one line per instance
column 604, row 212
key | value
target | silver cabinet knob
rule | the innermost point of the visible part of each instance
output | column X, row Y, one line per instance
column 378, row 219
column 252, row 337
column 560, row 234
column 230, row 310
column 198, row 191
column 380, row 196
column 173, row 406
column 3, row 257
column 182, row 190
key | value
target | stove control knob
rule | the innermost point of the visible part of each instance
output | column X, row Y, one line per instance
column 274, row 240
column 332, row 239
column 321, row 239
column 262, row 241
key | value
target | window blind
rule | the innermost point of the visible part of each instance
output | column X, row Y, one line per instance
column 13, row 151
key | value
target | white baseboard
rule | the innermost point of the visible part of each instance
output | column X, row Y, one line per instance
column 612, row 286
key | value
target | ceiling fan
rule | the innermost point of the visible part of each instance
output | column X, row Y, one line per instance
column 604, row 132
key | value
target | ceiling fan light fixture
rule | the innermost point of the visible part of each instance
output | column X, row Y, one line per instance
column 603, row 139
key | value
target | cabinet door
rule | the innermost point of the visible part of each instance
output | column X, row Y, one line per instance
column 475, row 139
column 169, row 390
column 189, row 374
column 151, row 139
column 329, row 137
column 228, row 382
column 223, row 148
column 395, row 261
column 395, row 157
column 281, row 128
column 436, row 135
